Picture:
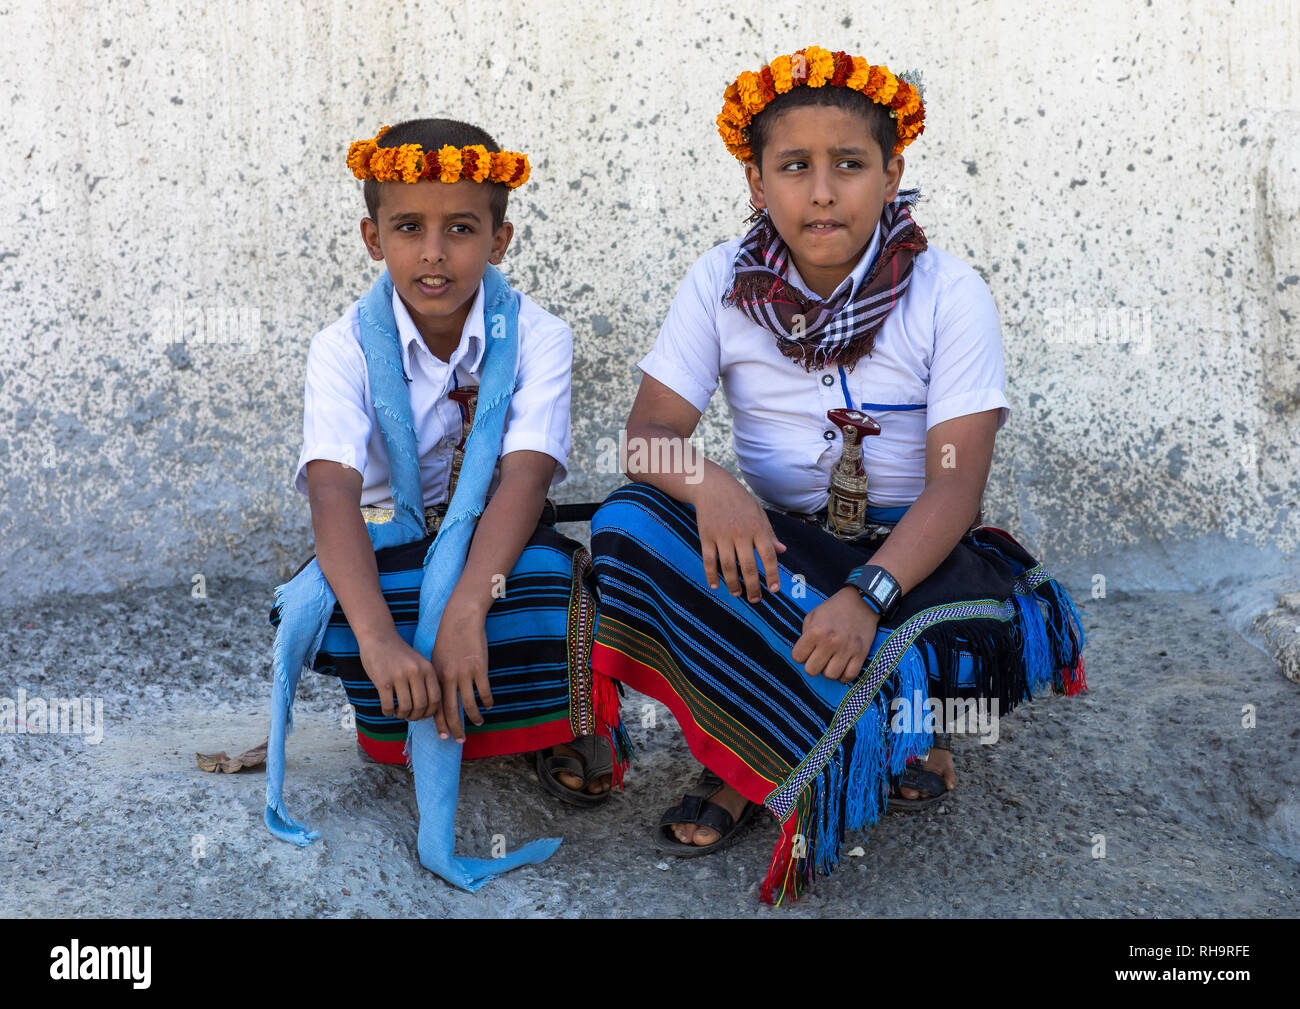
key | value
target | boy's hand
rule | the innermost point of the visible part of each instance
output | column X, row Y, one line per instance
column 837, row 637
column 732, row 526
column 460, row 656
column 404, row 679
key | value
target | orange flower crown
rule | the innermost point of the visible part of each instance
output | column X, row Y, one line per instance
column 411, row 163
column 815, row 67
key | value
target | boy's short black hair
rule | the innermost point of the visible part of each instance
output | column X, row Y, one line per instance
column 883, row 128
column 431, row 134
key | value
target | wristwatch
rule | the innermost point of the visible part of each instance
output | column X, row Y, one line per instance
column 878, row 588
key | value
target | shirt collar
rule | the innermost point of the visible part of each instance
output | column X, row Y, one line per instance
column 855, row 278
column 472, row 342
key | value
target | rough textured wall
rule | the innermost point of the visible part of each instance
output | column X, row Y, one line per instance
column 178, row 222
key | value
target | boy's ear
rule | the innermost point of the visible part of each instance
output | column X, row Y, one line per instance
column 501, row 242
column 755, row 181
column 370, row 235
column 893, row 176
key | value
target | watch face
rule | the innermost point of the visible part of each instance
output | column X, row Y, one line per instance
column 878, row 588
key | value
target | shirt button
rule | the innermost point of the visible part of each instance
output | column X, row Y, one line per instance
column 828, row 435
column 827, row 380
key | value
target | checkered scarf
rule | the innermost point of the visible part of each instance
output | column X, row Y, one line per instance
column 821, row 333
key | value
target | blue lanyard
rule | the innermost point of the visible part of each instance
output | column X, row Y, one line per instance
column 873, row 406
column 844, row 382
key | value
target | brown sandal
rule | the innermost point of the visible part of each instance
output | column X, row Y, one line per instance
column 595, row 760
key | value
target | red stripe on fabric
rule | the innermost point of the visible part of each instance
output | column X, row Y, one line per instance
column 502, row 742
column 386, row 751
column 507, row 741
column 712, row 753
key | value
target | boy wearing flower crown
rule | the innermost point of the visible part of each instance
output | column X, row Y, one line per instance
column 391, row 437
column 804, row 629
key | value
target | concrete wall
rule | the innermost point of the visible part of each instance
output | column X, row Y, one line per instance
column 177, row 222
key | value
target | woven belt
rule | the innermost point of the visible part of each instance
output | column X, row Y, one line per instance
column 871, row 530
column 433, row 516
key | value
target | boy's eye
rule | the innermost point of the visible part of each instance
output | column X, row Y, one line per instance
column 851, row 162
column 407, row 224
column 468, row 230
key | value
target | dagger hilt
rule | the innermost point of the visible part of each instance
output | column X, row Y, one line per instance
column 846, row 510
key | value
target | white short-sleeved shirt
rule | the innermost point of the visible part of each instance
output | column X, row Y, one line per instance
column 339, row 421
column 937, row 356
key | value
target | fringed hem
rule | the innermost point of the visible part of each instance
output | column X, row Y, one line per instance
column 1066, row 639
column 1012, row 646
column 286, row 828
column 1035, row 650
column 608, row 720
column 850, row 796
column 758, row 287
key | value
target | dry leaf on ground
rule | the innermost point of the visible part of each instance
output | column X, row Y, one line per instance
column 255, row 757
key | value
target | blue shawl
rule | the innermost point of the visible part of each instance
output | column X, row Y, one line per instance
column 307, row 601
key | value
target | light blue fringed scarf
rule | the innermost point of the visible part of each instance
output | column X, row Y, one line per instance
column 307, row 601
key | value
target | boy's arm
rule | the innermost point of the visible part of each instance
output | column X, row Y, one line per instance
column 679, row 376
column 731, row 523
column 958, row 454
column 838, row 633
column 404, row 679
column 966, row 404
column 504, row 528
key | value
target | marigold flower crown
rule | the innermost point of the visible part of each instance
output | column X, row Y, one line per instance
column 411, row 163
column 815, row 67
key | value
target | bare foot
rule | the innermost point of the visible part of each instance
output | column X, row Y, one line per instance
column 573, row 782
column 938, row 762
column 730, row 800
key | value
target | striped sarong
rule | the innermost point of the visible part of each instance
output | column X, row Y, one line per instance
column 539, row 636
column 988, row 624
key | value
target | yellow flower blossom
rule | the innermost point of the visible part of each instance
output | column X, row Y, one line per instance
column 448, row 163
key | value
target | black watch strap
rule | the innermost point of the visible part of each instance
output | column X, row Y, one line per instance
column 878, row 588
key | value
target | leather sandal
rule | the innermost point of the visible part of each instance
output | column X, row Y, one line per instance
column 595, row 760
column 915, row 776
column 696, row 809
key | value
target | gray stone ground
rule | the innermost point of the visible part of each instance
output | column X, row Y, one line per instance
column 1201, row 816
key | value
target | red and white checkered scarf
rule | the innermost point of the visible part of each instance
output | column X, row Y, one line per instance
column 820, row 333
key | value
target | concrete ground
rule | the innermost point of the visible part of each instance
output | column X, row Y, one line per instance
column 1200, row 813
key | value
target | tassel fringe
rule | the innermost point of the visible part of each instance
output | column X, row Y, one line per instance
column 1030, row 650
column 609, row 723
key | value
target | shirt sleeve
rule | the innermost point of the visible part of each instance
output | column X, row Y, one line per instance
column 538, row 417
column 967, row 374
column 335, row 420
column 686, row 356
